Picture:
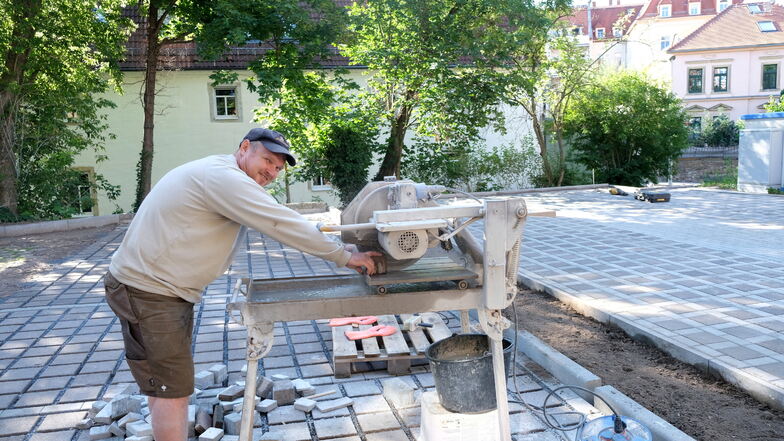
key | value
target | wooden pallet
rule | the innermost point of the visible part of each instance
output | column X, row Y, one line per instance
column 397, row 349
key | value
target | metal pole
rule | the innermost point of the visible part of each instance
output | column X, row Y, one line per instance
column 249, row 401
column 499, row 372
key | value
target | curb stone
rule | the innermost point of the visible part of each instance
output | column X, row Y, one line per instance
column 62, row 225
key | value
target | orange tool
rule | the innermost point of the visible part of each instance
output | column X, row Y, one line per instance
column 365, row 320
column 375, row 331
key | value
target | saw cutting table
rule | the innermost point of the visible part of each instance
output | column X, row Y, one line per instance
column 259, row 303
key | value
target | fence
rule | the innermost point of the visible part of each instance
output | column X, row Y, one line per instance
column 710, row 152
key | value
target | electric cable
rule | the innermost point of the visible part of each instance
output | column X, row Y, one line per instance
column 554, row 424
column 464, row 193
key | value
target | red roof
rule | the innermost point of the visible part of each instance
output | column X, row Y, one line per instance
column 603, row 18
column 737, row 26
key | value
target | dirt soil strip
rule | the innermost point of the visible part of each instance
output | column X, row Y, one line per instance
column 702, row 406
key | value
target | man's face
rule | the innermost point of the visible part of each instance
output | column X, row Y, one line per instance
column 259, row 163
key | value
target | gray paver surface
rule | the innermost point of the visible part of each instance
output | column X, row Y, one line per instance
column 701, row 274
column 61, row 348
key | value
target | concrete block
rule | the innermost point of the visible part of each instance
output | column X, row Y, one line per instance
column 277, row 377
column 283, row 392
column 303, row 387
column 100, row 432
column 560, row 366
column 139, row 438
column 220, row 373
column 329, row 406
column 129, row 418
column 203, row 420
column 139, row 428
column 122, row 404
column 267, row 406
column 231, row 393
column 105, row 415
column 264, row 387
column 84, row 424
column 96, row 407
column 217, row 416
column 116, row 430
column 231, row 423
column 304, row 404
column 203, row 379
column 398, row 392
column 661, row 429
column 230, row 438
column 211, row 434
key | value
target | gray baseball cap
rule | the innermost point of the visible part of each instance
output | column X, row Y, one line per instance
column 273, row 141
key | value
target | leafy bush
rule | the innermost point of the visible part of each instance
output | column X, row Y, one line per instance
column 348, row 148
column 721, row 132
column 772, row 190
column 472, row 167
column 627, row 128
column 574, row 173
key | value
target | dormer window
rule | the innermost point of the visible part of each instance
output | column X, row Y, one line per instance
column 723, row 4
column 665, row 10
column 767, row 26
column 578, row 30
column 599, row 33
column 694, row 9
column 617, row 33
column 754, row 9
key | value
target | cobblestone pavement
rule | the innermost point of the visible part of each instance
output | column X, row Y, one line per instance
column 61, row 349
column 701, row 276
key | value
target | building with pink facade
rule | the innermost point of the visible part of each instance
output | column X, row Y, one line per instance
column 732, row 64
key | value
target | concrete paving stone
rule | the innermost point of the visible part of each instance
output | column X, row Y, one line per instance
column 95, row 379
column 312, row 358
column 13, row 387
column 426, row 379
column 292, row 431
column 394, row 435
column 17, row 426
column 774, row 325
column 743, row 332
column 100, row 366
column 304, row 348
column 289, row 372
column 37, row 398
column 87, row 393
column 300, row 329
column 378, row 422
column 112, row 355
column 317, row 414
column 19, row 374
column 6, row 400
column 53, row 436
column 277, row 362
column 411, row 416
column 333, row 427
column 705, row 338
column 69, row 358
column 285, row 415
column 61, row 370
column 370, row 404
column 74, row 348
column 304, row 338
column 316, row 370
column 60, row 421
column 360, row 388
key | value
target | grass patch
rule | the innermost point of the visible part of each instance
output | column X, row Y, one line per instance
column 726, row 179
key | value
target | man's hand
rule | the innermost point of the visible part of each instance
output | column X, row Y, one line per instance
column 363, row 262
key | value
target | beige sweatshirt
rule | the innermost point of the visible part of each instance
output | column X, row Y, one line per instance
column 186, row 230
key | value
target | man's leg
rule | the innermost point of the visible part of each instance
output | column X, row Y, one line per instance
column 169, row 418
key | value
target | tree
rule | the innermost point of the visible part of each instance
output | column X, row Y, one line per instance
column 721, row 132
column 56, row 57
column 627, row 128
column 545, row 67
column 427, row 69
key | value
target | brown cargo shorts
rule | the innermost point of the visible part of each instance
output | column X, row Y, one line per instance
column 157, row 333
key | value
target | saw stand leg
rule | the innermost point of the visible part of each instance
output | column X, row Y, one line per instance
column 260, row 339
column 494, row 323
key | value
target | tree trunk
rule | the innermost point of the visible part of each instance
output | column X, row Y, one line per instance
column 11, row 86
column 390, row 166
column 144, row 177
column 541, row 139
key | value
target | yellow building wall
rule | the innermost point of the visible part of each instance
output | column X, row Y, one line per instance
column 185, row 130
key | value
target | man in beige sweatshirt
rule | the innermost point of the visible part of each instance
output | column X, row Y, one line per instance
column 183, row 237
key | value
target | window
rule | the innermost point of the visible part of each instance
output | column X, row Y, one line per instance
column 577, row 30
column 723, row 4
column 225, row 103
column 694, row 9
column 617, row 33
column 770, row 76
column 695, row 124
column 599, row 33
column 695, row 80
column 720, row 75
column 320, row 184
column 665, row 42
column 84, row 202
column 767, row 26
column 664, row 10
column 754, row 9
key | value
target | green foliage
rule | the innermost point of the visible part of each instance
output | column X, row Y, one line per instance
column 348, row 154
column 772, row 190
column 51, row 105
column 413, row 51
column 721, row 132
column 727, row 179
column 568, row 171
column 472, row 167
column 775, row 104
column 626, row 128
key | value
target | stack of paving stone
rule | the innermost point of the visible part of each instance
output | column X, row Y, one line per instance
column 214, row 412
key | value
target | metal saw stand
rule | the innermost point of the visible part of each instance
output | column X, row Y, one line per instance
column 258, row 304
